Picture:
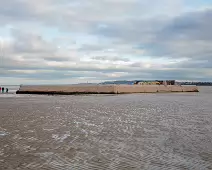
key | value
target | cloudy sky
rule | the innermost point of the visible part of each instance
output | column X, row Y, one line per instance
column 75, row 41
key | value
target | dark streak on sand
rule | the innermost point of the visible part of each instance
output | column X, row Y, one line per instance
column 60, row 93
column 120, row 132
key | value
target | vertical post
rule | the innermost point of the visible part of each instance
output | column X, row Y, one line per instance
column 165, row 83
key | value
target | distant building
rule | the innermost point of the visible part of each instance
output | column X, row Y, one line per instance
column 146, row 83
column 167, row 82
column 156, row 82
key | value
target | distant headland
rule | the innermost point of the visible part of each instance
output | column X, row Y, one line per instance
column 200, row 83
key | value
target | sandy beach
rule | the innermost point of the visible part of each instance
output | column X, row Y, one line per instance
column 134, row 131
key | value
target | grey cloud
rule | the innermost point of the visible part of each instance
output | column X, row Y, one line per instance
column 54, row 74
column 190, row 26
column 113, row 58
column 125, row 25
column 194, row 64
column 81, row 15
column 26, row 42
column 185, row 36
column 33, row 47
column 177, row 74
column 42, row 71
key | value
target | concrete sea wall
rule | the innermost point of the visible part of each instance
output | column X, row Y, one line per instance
column 104, row 89
column 153, row 89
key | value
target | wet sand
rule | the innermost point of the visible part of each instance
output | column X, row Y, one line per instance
column 136, row 131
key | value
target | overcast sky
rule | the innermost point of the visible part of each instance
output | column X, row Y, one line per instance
column 75, row 41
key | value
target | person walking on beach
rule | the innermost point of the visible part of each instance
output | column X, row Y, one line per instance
column 2, row 89
column 7, row 90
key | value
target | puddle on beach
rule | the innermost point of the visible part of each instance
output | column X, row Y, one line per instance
column 2, row 133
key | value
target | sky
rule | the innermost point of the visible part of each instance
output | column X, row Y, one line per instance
column 77, row 41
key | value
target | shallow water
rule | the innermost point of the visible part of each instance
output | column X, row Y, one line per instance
column 123, row 132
